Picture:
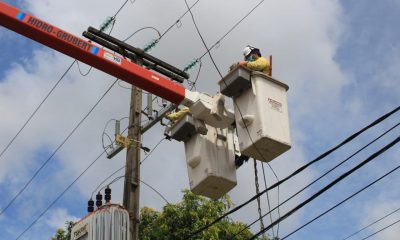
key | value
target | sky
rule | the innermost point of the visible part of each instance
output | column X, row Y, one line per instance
column 341, row 60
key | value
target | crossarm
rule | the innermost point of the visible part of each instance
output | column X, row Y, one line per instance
column 84, row 51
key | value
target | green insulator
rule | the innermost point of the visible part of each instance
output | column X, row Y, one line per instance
column 107, row 23
column 191, row 65
column 150, row 45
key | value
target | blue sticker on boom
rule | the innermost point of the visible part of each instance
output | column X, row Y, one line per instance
column 21, row 16
column 94, row 50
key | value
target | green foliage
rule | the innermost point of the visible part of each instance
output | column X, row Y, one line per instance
column 64, row 234
column 178, row 221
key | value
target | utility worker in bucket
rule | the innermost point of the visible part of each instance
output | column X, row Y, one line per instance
column 254, row 60
column 175, row 116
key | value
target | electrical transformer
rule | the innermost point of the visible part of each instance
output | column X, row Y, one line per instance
column 109, row 222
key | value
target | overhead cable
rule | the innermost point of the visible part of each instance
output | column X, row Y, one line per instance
column 141, row 29
column 258, row 199
column 369, row 225
column 179, row 19
column 268, row 202
column 152, row 150
column 231, row 29
column 8, row 205
column 37, row 109
column 380, row 230
column 59, row 196
column 108, row 23
column 56, row 150
column 105, row 180
column 347, row 140
column 237, row 107
column 156, row 191
column 63, row 192
column 343, row 201
column 148, row 185
column 154, row 42
column 45, row 98
column 123, row 167
column 323, row 175
column 330, row 185
column 219, row 72
column 120, row 9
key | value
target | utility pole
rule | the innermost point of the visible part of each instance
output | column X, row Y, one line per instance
column 132, row 170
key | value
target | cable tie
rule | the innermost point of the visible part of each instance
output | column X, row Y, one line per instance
column 218, row 44
column 178, row 23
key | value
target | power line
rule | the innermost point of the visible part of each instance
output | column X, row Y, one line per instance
column 215, row 65
column 65, row 140
column 343, row 176
column 120, row 9
column 296, row 172
column 258, row 199
column 240, row 112
column 102, row 182
column 345, row 200
column 155, row 190
column 154, row 148
column 148, row 185
column 141, row 29
column 348, row 139
column 193, row 84
column 268, row 202
column 48, row 94
column 380, row 230
column 179, row 19
column 232, row 28
column 369, row 225
column 56, row 150
column 37, row 109
column 80, row 71
column 155, row 41
column 323, row 175
column 123, row 167
column 59, row 196
column 62, row 193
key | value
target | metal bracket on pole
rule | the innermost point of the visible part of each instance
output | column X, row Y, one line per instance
column 161, row 114
column 150, row 106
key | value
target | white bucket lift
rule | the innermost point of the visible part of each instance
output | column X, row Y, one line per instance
column 211, row 110
column 261, row 112
column 210, row 156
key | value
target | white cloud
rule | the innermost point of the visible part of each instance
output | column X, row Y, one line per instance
column 303, row 37
column 57, row 218
column 381, row 207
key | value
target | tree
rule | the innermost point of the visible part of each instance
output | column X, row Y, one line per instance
column 178, row 221
column 64, row 234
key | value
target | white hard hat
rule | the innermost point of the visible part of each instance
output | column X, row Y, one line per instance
column 247, row 50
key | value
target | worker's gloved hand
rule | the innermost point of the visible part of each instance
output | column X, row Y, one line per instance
column 233, row 66
column 243, row 63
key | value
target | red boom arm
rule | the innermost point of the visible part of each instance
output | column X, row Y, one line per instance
column 89, row 53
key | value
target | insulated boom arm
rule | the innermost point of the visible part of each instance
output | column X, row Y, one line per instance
column 84, row 51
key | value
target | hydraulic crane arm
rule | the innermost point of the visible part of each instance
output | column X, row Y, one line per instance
column 84, row 51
